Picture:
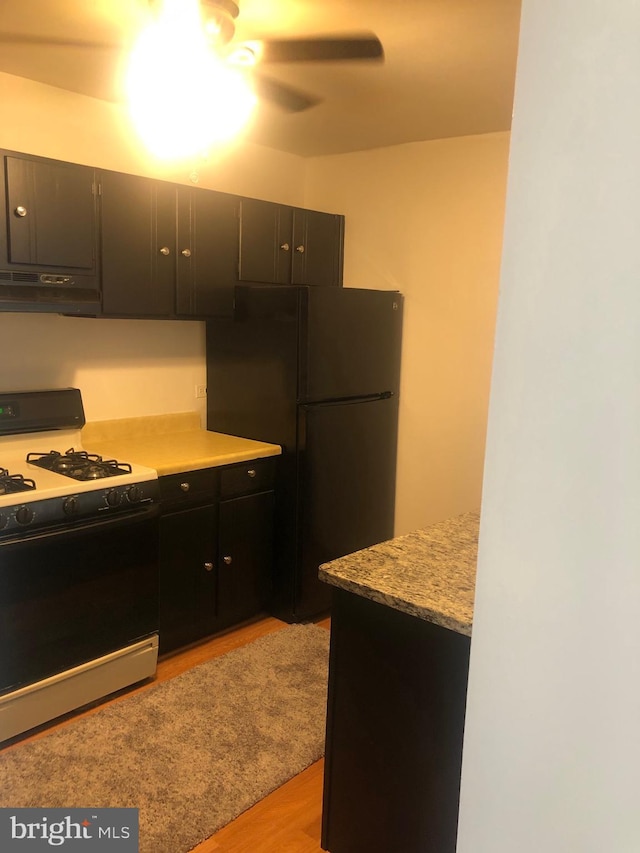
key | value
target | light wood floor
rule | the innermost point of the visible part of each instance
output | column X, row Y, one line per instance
column 288, row 820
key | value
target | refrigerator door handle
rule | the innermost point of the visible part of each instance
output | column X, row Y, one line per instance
column 384, row 395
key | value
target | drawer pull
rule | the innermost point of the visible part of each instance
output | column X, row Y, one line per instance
column 227, row 561
column 208, row 567
column 251, row 472
column 185, row 487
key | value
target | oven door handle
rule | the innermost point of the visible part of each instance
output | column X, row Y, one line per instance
column 69, row 531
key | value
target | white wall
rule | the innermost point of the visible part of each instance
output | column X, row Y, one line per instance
column 552, row 749
column 426, row 218
column 124, row 368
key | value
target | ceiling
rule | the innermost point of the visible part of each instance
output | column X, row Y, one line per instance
column 449, row 64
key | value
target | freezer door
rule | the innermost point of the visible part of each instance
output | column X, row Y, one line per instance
column 349, row 343
column 346, row 487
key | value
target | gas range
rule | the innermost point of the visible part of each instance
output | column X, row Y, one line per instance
column 48, row 478
column 79, row 546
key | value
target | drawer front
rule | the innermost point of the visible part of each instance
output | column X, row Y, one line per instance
column 189, row 488
column 258, row 475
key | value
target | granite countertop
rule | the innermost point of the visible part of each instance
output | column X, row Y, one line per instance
column 429, row 573
column 171, row 443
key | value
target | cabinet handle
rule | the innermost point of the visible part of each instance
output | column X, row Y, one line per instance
column 251, row 472
column 20, row 210
column 186, row 253
column 165, row 250
column 208, row 567
column 285, row 247
column 227, row 560
column 300, row 249
column 185, row 487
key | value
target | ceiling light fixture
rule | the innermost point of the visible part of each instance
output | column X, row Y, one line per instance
column 183, row 98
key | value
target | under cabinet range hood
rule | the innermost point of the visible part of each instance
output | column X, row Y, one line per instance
column 48, row 236
column 41, row 295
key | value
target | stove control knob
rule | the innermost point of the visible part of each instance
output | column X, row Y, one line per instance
column 134, row 493
column 113, row 498
column 70, row 505
column 24, row 515
column 3, row 521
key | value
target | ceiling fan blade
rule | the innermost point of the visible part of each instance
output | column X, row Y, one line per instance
column 321, row 49
column 45, row 41
column 284, row 96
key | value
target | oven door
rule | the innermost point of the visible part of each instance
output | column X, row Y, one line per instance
column 71, row 595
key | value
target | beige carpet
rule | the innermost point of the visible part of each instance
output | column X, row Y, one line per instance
column 193, row 752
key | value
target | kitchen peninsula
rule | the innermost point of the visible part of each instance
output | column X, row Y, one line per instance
column 400, row 639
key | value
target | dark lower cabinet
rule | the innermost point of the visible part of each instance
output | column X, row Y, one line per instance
column 245, row 548
column 216, row 549
column 395, row 721
column 188, row 595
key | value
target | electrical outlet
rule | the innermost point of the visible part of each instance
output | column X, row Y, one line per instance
column 201, row 391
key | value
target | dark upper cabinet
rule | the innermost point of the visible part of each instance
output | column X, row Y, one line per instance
column 48, row 235
column 50, row 214
column 154, row 248
column 207, row 252
column 289, row 245
column 167, row 250
column 138, row 245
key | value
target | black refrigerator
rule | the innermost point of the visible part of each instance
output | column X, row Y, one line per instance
column 317, row 371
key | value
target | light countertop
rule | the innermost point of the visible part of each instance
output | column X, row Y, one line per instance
column 171, row 443
column 429, row 573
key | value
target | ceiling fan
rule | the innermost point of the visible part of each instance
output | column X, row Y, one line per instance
column 220, row 15
column 219, row 22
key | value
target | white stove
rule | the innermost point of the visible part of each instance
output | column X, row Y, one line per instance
column 79, row 541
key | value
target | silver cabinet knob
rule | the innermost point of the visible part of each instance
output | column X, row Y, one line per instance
column 208, row 567
column 300, row 249
column 227, row 560
column 165, row 250
column 185, row 487
column 285, row 247
column 186, row 253
column 20, row 210
column 251, row 472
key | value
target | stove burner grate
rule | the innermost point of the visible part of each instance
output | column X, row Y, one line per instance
column 78, row 464
column 11, row 483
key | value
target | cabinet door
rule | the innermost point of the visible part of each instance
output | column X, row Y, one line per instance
column 265, row 242
column 138, row 245
column 207, row 256
column 317, row 248
column 50, row 214
column 245, row 555
column 187, row 576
